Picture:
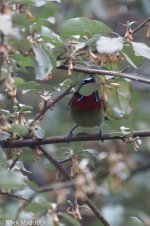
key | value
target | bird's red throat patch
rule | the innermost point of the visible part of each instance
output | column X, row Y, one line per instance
column 85, row 102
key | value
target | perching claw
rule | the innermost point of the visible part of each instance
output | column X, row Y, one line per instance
column 69, row 136
column 100, row 134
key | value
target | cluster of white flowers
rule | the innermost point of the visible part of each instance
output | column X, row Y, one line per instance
column 6, row 26
column 106, row 45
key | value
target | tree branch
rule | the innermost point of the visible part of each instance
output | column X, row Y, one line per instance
column 51, row 104
column 68, row 183
column 141, row 25
column 56, row 163
column 106, row 72
column 76, row 137
column 13, row 195
column 42, row 189
column 67, row 177
column 14, row 162
column 96, row 212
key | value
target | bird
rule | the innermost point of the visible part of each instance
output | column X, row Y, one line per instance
column 86, row 106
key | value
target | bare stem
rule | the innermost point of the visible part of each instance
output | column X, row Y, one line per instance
column 67, row 177
column 51, row 104
column 68, row 183
column 141, row 25
column 74, row 138
column 12, row 195
column 106, row 72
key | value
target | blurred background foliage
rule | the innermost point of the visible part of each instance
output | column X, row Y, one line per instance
column 122, row 175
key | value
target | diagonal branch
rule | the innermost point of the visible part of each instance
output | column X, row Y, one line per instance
column 56, row 163
column 106, row 72
column 51, row 104
column 138, row 170
column 67, row 177
column 68, row 183
column 12, row 195
column 141, row 25
column 76, row 137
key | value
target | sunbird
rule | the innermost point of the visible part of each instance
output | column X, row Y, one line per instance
column 86, row 106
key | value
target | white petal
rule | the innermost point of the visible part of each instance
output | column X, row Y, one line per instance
column 108, row 45
column 6, row 26
column 141, row 49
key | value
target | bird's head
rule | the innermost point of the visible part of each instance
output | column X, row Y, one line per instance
column 87, row 87
column 86, row 97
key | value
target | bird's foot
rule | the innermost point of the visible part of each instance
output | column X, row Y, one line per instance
column 101, row 135
column 69, row 136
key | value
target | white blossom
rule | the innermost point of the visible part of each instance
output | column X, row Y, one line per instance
column 106, row 45
column 141, row 49
column 6, row 26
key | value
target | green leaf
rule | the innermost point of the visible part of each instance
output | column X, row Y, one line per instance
column 12, row 180
column 4, row 136
column 41, row 62
column 51, row 36
column 19, row 129
column 49, row 8
column 82, row 26
column 50, row 54
column 70, row 220
column 118, row 94
column 130, row 56
column 19, row 81
column 39, row 133
column 33, row 85
column 20, row 19
column 134, row 221
column 88, row 88
column 91, row 154
column 67, row 83
column 22, row 61
column 39, row 204
column 35, row 208
column 24, row 107
column 4, row 112
column 141, row 49
column 20, row 1
column 32, row 185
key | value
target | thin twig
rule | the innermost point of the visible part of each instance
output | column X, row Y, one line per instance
column 96, row 211
column 13, row 195
column 141, row 25
column 74, row 138
column 14, row 162
column 42, row 189
column 55, row 163
column 138, row 170
column 88, row 70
